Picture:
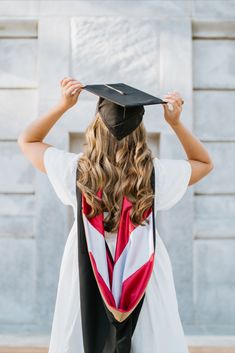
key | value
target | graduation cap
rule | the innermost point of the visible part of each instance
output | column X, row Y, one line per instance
column 121, row 107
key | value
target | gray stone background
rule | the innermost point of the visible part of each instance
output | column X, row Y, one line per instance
column 159, row 46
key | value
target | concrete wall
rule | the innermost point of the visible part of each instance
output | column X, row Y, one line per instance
column 161, row 46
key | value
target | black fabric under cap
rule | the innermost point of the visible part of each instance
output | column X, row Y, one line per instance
column 120, row 121
column 121, row 107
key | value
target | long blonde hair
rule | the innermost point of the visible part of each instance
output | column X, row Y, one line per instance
column 119, row 168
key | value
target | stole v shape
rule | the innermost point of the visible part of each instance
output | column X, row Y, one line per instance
column 122, row 281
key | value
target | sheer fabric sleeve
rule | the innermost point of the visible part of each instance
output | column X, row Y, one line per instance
column 61, row 171
column 171, row 179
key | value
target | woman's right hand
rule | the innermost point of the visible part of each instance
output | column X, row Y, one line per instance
column 70, row 91
column 173, row 110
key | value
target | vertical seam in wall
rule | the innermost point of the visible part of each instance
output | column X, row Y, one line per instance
column 194, row 277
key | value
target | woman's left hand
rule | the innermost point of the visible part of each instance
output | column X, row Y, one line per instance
column 71, row 90
column 172, row 112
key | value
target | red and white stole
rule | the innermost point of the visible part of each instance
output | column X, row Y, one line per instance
column 122, row 281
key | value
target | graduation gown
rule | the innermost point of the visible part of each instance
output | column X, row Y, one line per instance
column 128, row 275
column 159, row 328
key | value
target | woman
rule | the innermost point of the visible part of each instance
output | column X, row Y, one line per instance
column 119, row 168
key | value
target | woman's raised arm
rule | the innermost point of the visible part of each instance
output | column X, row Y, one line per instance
column 197, row 154
column 30, row 140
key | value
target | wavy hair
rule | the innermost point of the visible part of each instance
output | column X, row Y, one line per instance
column 118, row 167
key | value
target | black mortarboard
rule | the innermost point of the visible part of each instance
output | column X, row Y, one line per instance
column 121, row 107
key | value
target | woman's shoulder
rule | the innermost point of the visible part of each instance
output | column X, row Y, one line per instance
column 61, row 168
column 171, row 181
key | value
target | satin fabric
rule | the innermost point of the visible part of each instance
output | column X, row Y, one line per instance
column 102, row 333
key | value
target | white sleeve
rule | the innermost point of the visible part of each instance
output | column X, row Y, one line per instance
column 171, row 179
column 61, row 171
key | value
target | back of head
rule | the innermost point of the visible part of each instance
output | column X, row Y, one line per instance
column 118, row 167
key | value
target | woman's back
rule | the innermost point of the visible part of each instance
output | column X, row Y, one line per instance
column 160, row 306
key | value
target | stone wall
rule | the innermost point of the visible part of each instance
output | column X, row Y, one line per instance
column 159, row 46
